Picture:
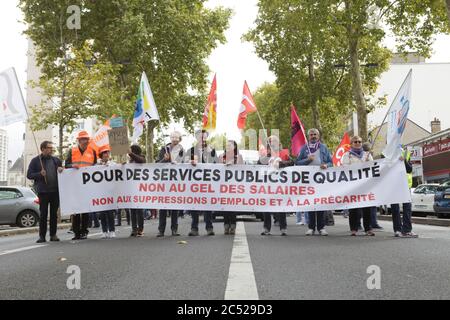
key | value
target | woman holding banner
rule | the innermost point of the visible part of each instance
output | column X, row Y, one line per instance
column 274, row 158
column 230, row 156
column 137, row 215
column 170, row 153
column 356, row 154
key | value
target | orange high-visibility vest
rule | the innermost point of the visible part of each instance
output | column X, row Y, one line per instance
column 83, row 160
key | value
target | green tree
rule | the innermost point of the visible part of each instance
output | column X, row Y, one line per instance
column 80, row 90
column 168, row 39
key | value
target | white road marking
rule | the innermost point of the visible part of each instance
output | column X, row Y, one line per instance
column 241, row 284
column 22, row 249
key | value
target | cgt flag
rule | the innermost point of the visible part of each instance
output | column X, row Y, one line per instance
column 248, row 105
column 298, row 136
column 343, row 147
column 210, row 113
column 12, row 106
column 397, row 116
column 145, row 109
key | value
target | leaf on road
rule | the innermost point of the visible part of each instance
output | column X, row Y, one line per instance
column 62, row 259
column 182, row 242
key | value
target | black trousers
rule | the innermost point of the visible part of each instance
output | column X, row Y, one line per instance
column 280, row 217
column 229, row 218
column 137, row 219
column 45, row 200
column 354, row 218
column 163, row 220
column 80, row 223
column 107, row 221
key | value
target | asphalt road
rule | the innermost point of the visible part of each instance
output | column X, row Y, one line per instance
column 283, row 268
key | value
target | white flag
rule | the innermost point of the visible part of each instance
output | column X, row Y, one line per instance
column 145, row 108
column 12, row 106
column 396, row 119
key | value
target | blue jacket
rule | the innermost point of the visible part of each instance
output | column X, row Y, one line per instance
column 34, row 173
column 325, row 156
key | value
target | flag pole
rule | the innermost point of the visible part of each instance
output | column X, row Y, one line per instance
column 384, row 119
column 32, row 132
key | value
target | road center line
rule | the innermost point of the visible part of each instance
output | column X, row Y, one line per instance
column 241, row 284
column 22, row 249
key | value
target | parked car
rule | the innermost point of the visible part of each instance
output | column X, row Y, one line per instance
column 423, row 199
column 442, row 201
column 19, row 206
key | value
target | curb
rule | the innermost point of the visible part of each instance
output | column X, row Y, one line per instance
column 13, row 232
column 419, row 220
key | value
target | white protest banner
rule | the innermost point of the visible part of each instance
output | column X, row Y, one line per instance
column 216, row 187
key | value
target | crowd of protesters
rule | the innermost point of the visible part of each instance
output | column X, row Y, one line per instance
column 44, row 168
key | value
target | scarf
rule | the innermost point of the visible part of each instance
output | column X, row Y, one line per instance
column 313, row 147
column 357, row 152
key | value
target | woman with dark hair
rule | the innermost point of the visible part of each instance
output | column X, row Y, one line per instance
column 230, row 156
column 137, row 215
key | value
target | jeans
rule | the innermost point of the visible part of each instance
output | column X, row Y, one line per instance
column 207, row 216
column 107, row 221
column 373, row 216
column 299, row 216
column 80, row 224
column 355, row 216
column 163, row 220
column 46, row 199
column 93, row 218
column 280, row 217
column 406, row 226
column 229, row 218
column 316, row 218
column 137, row 219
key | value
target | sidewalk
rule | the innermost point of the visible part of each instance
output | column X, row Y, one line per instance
column 420, row 220
column 16, row 231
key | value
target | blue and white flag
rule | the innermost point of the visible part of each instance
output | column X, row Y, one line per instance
column 397, row 117
column 145, row 109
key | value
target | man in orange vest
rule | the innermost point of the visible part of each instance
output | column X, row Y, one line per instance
column 81, row 155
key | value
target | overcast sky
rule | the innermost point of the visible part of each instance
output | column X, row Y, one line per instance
column 235, row 62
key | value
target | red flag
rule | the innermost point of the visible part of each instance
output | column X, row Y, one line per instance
column 210, row 114
column 298, row 136
column 343, row 147
column 248, row 105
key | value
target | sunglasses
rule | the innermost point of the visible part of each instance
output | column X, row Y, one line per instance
column 357, row 141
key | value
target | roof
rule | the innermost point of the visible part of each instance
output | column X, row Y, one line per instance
column 18, row 165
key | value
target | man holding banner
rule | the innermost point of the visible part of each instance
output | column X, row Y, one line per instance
column 201, row 153
column 315, row 153
column 81, row 155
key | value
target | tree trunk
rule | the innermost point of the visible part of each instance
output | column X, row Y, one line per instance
column 355, row 74
column 312, row 83
column 61, row 138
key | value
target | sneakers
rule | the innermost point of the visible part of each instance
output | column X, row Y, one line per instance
column 370, row 233
column 193, row 233
column 112, row 234
column 233, row 229
column 160, row 234
column 77, row 237
column 140, row 233
column 226, row 229
column 300, row 224
column 265, row 232
column 41, row 240
column 310, row 232
column 379, row 228
column 133, row 233
column 210, row 232
column 397, row 234
column 175, row 233
column 105, row 235
column 323, row 232
column 410, row 235
column 83, row 236
column 283, row 232
column 354, row 233
column 54, row 238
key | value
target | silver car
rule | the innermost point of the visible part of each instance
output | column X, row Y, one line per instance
column 19, row 206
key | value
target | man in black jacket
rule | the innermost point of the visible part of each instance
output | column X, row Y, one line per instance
column 43, row 169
